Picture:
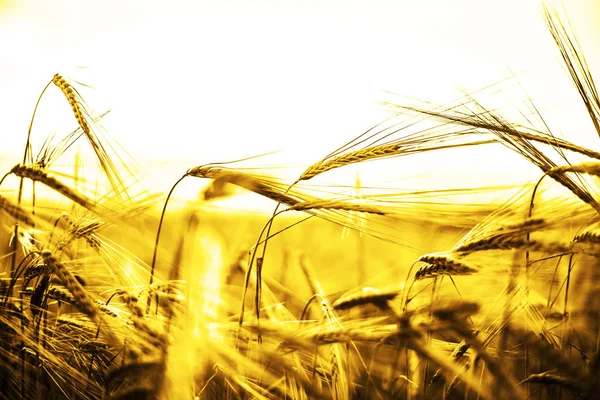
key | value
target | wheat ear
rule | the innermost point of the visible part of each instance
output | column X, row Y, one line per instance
column 69, row 93
column 38, row 175
column 510, row 243
column 548, row 378
column 366, row 295
column 337, row 205
column 247, row 181
column 82, row 300
column 375, row 152
column 106, row 163
column 590, row 168
column 436, row 266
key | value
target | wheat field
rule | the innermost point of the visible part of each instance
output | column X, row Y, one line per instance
column 340, row 291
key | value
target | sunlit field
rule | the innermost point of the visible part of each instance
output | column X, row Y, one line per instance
column 374, row 272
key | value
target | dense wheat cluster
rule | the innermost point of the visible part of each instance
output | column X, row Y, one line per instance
column 103, row 296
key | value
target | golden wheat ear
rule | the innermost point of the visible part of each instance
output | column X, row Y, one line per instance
column 38, row 175
column 82, row 115
column 407, row 146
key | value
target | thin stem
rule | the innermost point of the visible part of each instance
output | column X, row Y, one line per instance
column 160, row 223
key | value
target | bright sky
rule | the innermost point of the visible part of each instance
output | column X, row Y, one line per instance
column 202, row 81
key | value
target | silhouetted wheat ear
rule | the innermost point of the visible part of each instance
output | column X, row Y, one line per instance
column 509, row 243
column 590, row 235
column 548, row 378
column 367, row 295
column 441, row 265
column 433, row 270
